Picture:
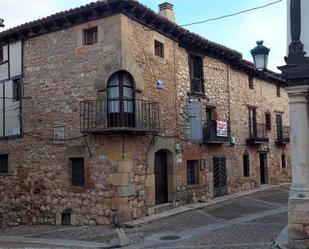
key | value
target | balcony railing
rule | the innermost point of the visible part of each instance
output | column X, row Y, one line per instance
column 257, row 134
column 213, row 134
column 282, row 135
column 119, row 116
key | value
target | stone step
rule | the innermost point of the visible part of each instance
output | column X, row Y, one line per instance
column 163, row 207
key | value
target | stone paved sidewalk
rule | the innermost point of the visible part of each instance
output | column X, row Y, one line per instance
column 251, row 219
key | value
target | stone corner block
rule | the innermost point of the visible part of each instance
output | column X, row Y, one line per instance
column 119, row 203
column 125, row 166
column 58, row 219
column 125, row 191
column 117, row 179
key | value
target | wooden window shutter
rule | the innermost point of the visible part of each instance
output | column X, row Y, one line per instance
column 195, row 116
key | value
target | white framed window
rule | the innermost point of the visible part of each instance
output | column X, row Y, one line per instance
column 59, row 135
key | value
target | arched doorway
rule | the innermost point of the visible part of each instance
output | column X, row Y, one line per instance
column 161, row 177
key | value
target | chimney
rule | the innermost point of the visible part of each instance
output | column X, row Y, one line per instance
column 166, row 10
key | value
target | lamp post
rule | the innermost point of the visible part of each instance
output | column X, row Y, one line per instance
column 260, row 56
column 296, row 74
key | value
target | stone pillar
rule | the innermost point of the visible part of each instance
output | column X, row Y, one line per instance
column 299, row 192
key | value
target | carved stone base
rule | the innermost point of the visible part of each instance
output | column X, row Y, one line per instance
column 299, row 217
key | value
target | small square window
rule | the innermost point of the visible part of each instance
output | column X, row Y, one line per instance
column 1, row 54
column 246, row 165
column 268, row 121
column 91, row 36
column 59, row 135
column 78, row 172
column 4, row 164
column 16, row 90
column 278, row 91
column 250, row 80
column 192, row 172
column 159, row 48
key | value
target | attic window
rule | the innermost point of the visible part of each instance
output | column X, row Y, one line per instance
column 91, row 36
column 159, row 48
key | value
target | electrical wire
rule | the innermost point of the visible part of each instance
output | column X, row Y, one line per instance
column 37, row 136
column 230, row 15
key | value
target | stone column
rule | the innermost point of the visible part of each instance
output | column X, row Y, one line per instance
column 299, row 192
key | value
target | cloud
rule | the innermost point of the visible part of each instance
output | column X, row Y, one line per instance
column 238, row 33
column 16, row 12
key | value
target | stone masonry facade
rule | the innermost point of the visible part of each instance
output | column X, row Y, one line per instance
column 120, row 168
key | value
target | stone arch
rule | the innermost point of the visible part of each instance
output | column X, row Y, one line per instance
column 130, row 66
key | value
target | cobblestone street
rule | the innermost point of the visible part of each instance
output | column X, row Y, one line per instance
column 251, row 221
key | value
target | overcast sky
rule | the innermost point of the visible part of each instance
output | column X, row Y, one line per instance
column 239, row 32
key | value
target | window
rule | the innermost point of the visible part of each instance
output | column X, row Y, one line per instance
column 120, row 95
column 196, row 74
column 192, row 172
column 250, row 80
column 278, row 91
column 91, row 36
column 78, row 172
column 268, row 121
column 279, row 126
column 252, row 122
column 1, row 54
column 283, row 161
column 59, row 135
column 66, row 219
column 16, row 90
column 246, row 165
column 159, row 48
column 4, row 164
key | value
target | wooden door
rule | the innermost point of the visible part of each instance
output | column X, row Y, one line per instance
column 161, row 187
column 219, row 176
column 263, row 168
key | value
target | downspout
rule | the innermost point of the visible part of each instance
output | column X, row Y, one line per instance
column 229, row 98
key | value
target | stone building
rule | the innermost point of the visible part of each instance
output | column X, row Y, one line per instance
column 111, row 112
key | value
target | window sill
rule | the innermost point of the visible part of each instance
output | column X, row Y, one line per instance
column 195, row 94
column 3, row 62
column 11, row 137
column 5, row 174
column 191, row 187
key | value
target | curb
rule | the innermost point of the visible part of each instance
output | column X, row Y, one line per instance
column 195, row 206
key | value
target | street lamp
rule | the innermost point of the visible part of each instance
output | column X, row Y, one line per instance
column 260, row 56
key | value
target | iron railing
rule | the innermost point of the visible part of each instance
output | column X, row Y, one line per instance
column 211, row 135
column 257, row 133
column 282, row 134
column 114, row 115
